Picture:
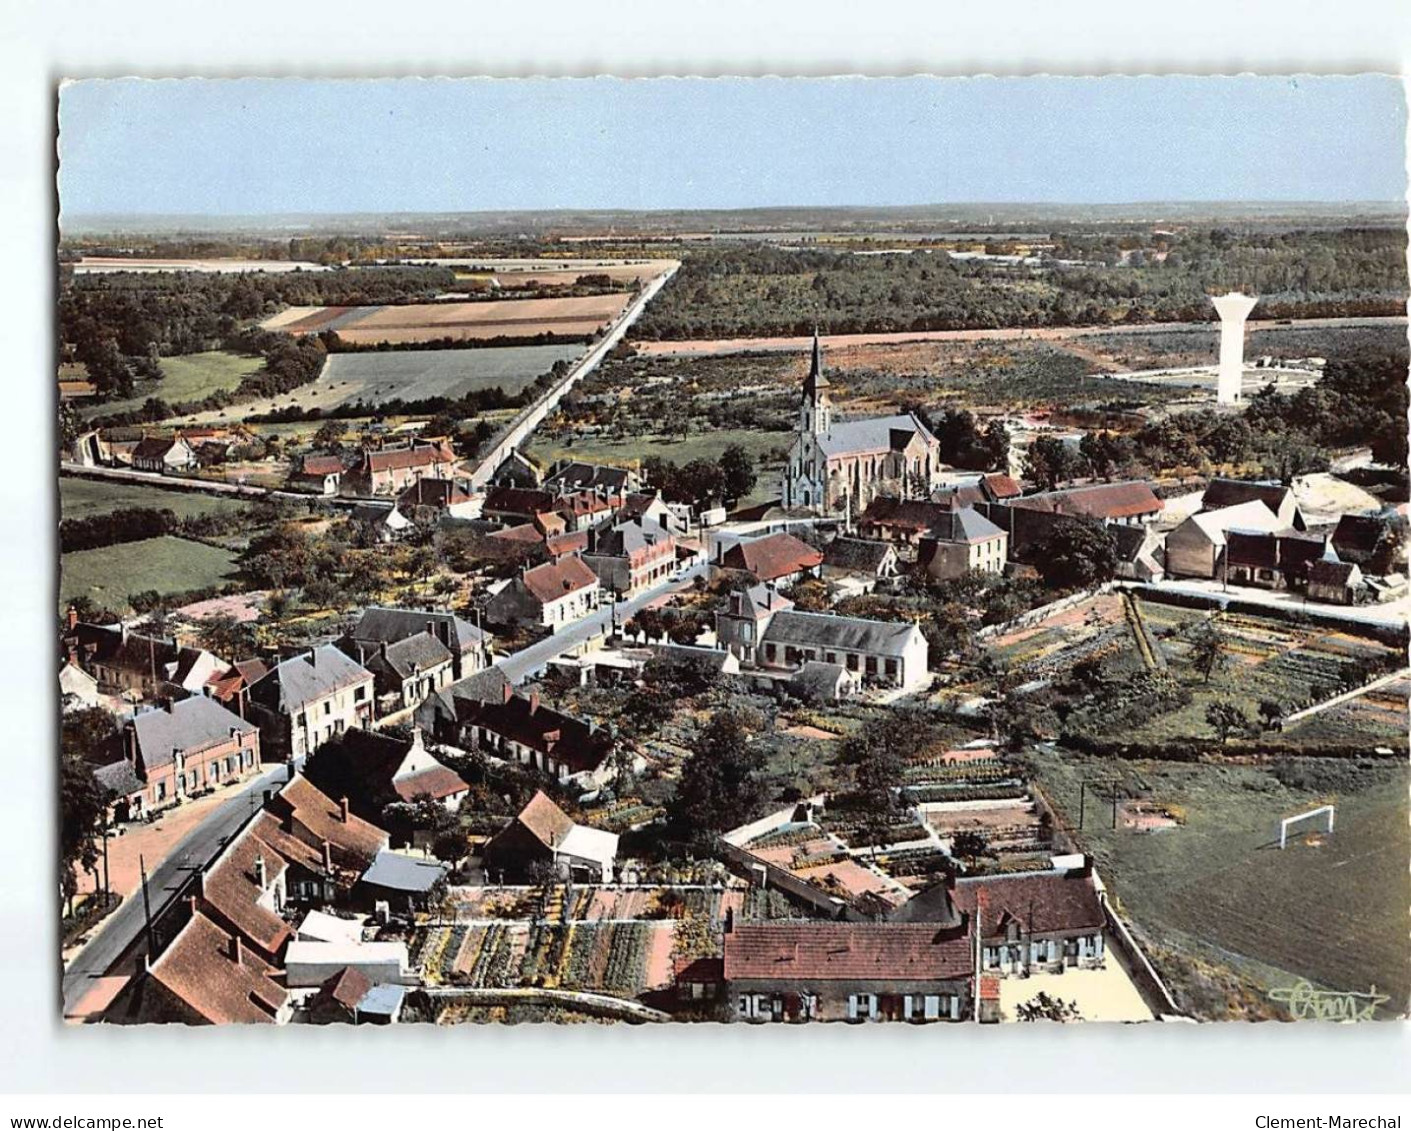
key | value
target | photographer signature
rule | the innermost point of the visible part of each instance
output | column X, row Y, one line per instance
column 1309, row 1004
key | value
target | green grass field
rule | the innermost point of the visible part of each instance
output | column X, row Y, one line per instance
column 1219, row 888
column 84, row 498
column 191, row 377
column 168, row 565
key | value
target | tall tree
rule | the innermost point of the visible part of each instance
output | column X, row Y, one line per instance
column 720, row 780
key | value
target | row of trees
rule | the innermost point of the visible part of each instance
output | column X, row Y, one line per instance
column 701, row 481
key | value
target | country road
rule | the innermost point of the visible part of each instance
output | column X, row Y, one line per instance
column 1007, row 333
column 527, row 661
column 118, row 933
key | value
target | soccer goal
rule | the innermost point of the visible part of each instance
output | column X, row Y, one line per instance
column 1310, row 815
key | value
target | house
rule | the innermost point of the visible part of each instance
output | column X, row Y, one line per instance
column 327, row 847
column 821, row 682
column 375, row 770
column 209, row 976
column 77, row 689
column 308, row 964
column 1270, row 559
column 824, row 971
column 1333, row 581
column 1222, row 493
column 859, row 557
column 305, row 700
column 518, row 728
column 574, row 475
column 741, row 624
column 380, row 624
column 650, row 507
column 1124, row 503
column 321, row 474
column 1366, row 540
column 891, row 653
column 407, row 671
column 548, row 596
column 903, row 521
column 543, row 839
column 1035, row 921
column 232, row 686
column 390, row 471
column 139, row 666
column 517, row 470
column 515, row 505
column 963, row 541
column 1196, row 548
column 245, row 891
column 1139, row 553
column 429, row 500
column 775, row 558
column 840, row 467
column 182, row 748
column 631, row 556
column 163, row 454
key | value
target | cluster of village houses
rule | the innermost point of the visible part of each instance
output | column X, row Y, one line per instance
column 267, row 935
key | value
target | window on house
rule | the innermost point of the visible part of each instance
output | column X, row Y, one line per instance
column 328, row 708
column 359, row 694
column 161, row 791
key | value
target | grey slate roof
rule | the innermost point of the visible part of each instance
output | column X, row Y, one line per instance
column 383, row 1000
column 859, row 554
column 874, row 434
column 118, row 778
column 578, row 476
column 190, row 724
column 818, row 678
column 418, row 653
column 964, row 524
column 823, row 630
column 294, row 682
column 403, row 873
column 378, row 624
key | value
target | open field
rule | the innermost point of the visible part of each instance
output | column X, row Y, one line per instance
column 100, row 265
column 191, row 377
column 167, row 565
column 464, row 321
column 1218, row 886
column 83, row 498
column 419, row 374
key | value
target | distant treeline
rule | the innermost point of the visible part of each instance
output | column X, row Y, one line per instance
column 134, row 524
column 766, row 290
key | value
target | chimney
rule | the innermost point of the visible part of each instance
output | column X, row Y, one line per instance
column 508, row 691
column 533, row 701
column 235, row 949
column 260, row 875
column 431, row 628
column 729, row 920
column 313, row 657
column 191, row 905
column 122, row 630
column 269, row 796
column 382, row 649
column 343, row 809
column 327, row 857
column 71, row 618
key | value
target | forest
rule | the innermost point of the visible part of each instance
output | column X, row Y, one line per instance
column 755, row 289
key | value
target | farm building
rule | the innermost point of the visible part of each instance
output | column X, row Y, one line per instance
column 774, row 558
column 163, row 454
column 1197, row 548
column 542, row 837
column 376, row 770
column 519, row 728
column 1333, row 581
column 389, row 471
column 1280, row 501
column 859, row 557
column 900, row 520
column 818, row 971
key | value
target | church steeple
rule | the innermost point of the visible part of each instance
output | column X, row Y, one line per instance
column 817, row 410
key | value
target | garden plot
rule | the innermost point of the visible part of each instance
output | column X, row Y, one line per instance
column 1093, row 627
column 413, row 375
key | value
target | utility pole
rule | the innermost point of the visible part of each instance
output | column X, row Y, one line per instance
column 147, row 905
column 1114, row 804
column 1082, row 800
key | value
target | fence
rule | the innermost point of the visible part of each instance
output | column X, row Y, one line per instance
column 1034, row 616
column 1147, row 980
column 775, row 876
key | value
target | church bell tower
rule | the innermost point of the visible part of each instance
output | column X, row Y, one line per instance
column 816, row 414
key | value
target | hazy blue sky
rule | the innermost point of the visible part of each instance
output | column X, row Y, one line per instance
column 257, row 146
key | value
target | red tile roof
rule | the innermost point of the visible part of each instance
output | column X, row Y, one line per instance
column 556, row 579
column 1043, row 904
column 772, row 557
column 232, row 892
column 312, row 817
column 546, row 821
column 321, row 465
column 574, row 542
column 1098, row 500
column 1001, row 487
column 201, row 971
column 845, row 952
column 421, row 455
column 438, row 783
column 347, row 987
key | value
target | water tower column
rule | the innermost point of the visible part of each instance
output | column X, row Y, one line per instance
column 1233, row 309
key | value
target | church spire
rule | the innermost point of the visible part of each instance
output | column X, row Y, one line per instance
column 816, row 378
column 817, row 412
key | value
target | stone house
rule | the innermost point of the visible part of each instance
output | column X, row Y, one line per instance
column 962, row 541
column 551, row 595
column 303, row 701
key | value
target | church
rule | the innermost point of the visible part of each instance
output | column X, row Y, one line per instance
column 841, row 467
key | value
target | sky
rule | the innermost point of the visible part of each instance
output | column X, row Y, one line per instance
column 260, row 146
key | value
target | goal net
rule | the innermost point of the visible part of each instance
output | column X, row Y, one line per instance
column 1311, row 815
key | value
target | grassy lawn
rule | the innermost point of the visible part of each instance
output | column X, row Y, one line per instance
column 168, row 565
column 1218, row 889
column 191, row 377
column 83, row 498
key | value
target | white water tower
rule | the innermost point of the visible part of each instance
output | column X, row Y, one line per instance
column 1233, row 309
